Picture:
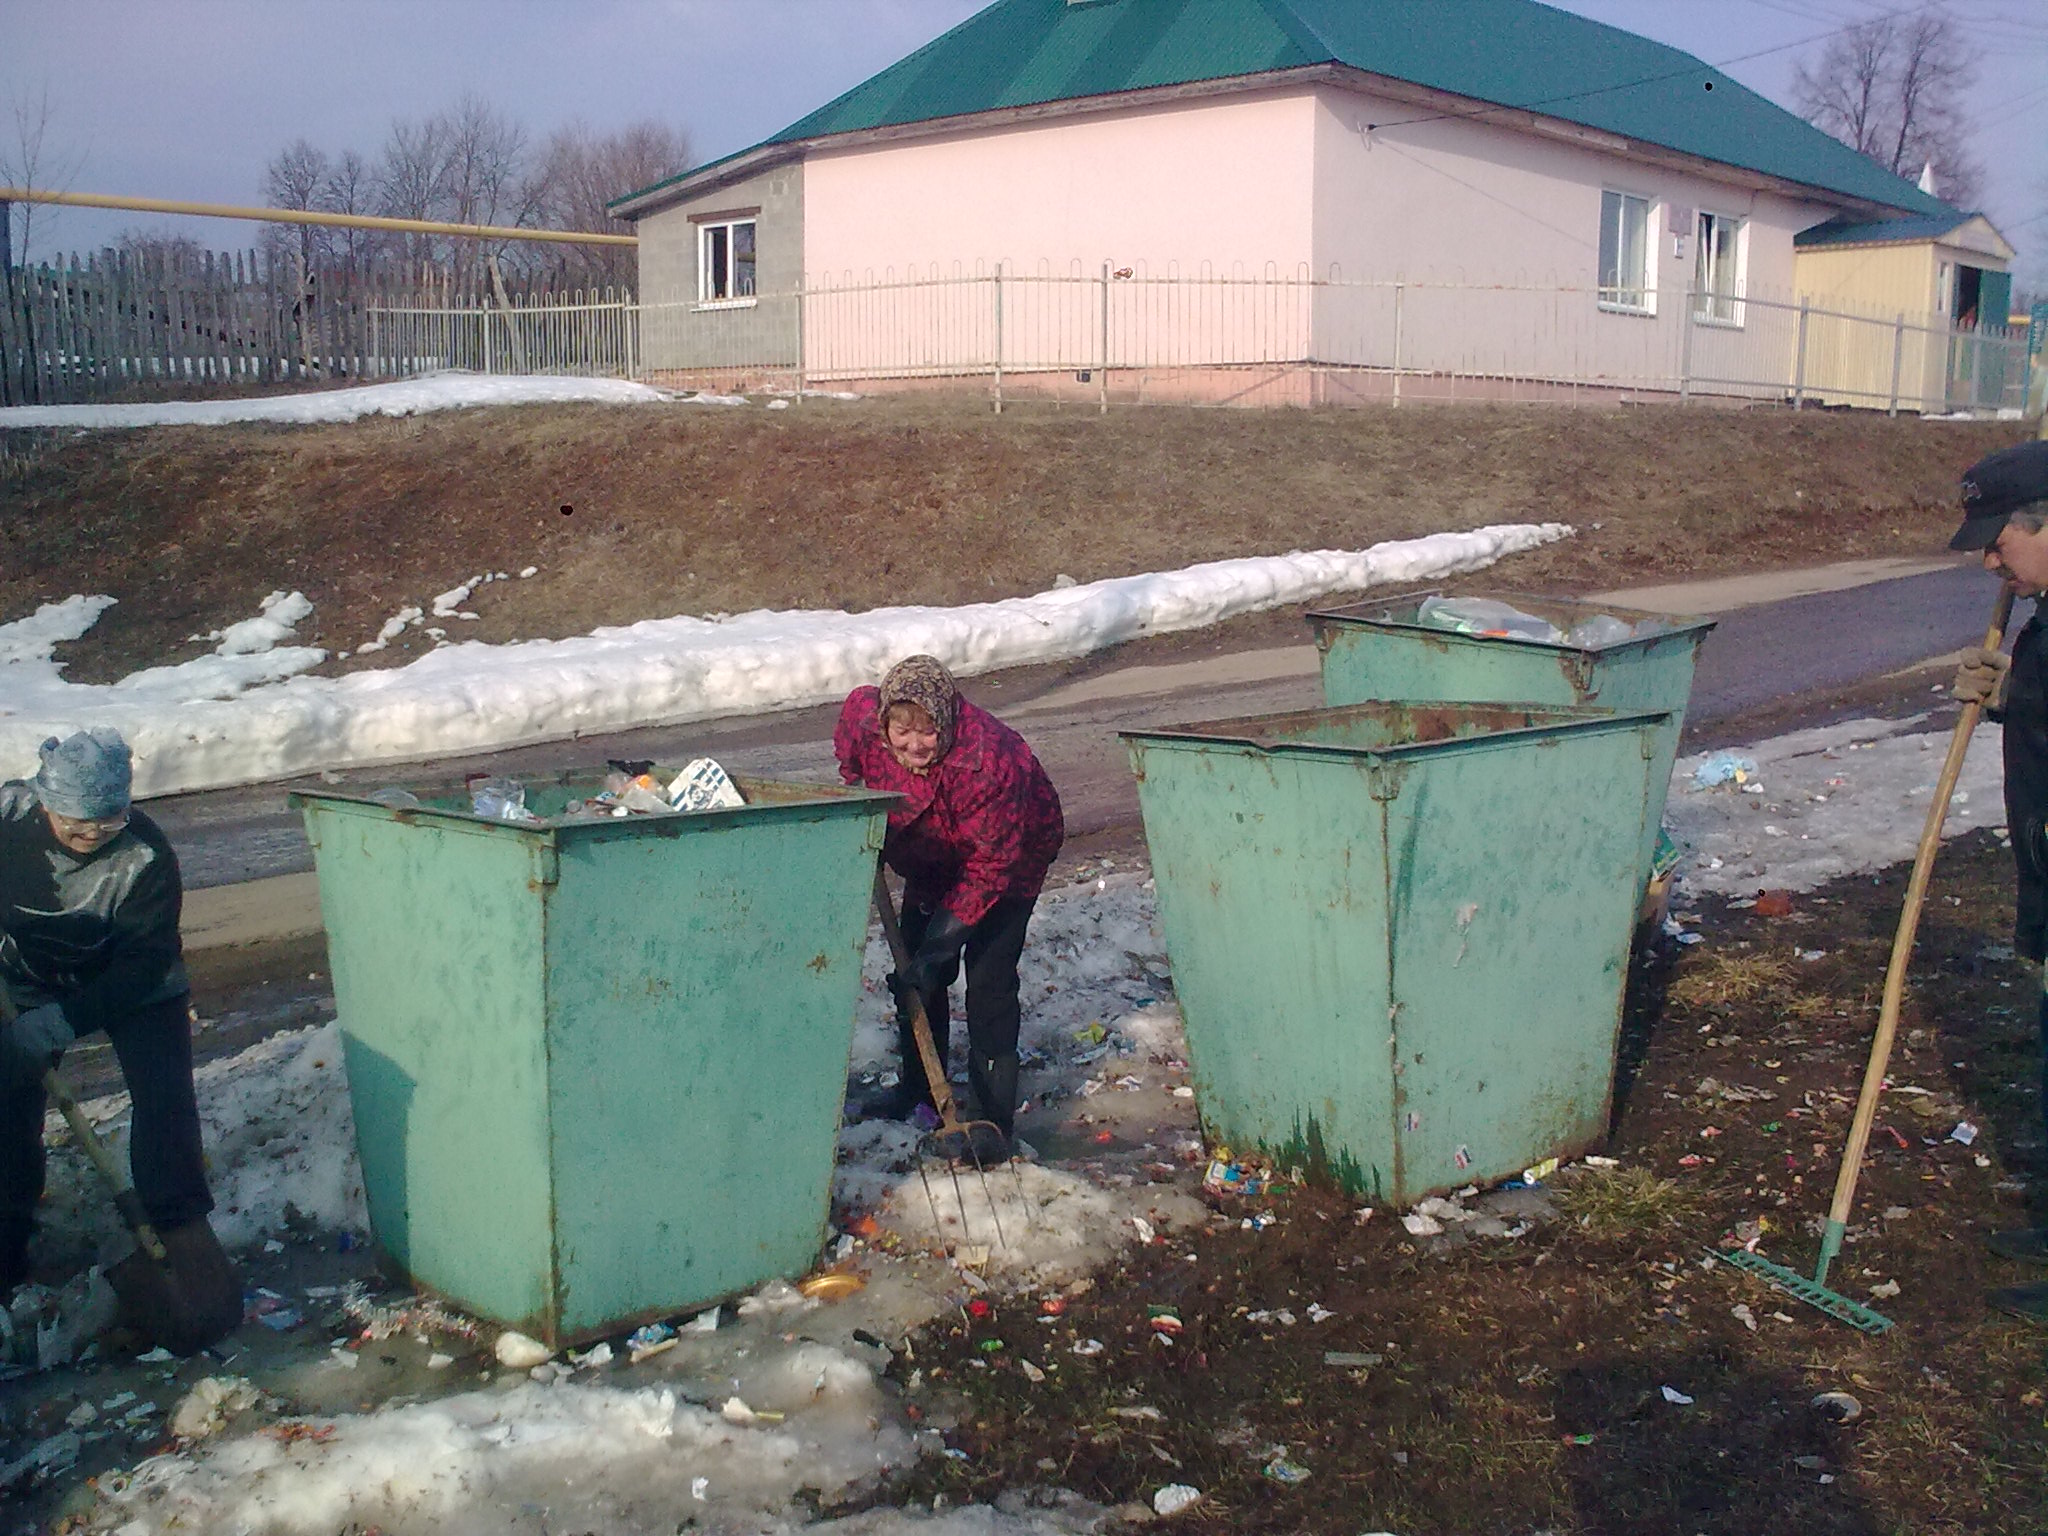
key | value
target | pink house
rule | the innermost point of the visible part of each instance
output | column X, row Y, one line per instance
column 1317, row 151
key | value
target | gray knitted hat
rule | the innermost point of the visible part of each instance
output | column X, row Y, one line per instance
column 87, row 776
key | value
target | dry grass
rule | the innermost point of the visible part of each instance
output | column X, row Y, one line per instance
column 1720, row 979
column 1627, row 1202
column 928, row 500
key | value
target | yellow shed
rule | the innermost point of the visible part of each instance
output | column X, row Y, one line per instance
column 1902, row 308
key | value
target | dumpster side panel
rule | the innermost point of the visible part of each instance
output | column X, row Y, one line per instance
column 1271, row 897
column 701, row 998
column 434, row 936
column 1364, row 661
column 1514, row 874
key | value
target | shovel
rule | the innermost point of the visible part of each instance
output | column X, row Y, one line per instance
column 953, row 1137
column 1815, row 1292
column 181, row 1291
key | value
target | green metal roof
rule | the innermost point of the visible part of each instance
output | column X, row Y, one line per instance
column 1512, row 53
column 1873, row 231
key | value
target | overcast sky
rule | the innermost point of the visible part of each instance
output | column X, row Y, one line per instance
column 189, row 98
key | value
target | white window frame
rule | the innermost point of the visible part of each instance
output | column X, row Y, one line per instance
column 1717, row 235
column 1620, row 297
column 718, row 277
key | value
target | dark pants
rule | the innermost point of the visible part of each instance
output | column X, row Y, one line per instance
column 993, row 1011
column 154, row 1046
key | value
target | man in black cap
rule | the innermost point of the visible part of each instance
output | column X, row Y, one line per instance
column 2005, row 515
column 89, row 905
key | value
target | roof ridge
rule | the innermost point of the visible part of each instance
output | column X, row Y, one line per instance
column 1300, row 30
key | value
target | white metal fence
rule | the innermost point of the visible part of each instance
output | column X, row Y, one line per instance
column 1125, row 336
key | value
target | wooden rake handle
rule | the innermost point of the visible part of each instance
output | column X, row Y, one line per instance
column 1909, row 925
column 920, row 1026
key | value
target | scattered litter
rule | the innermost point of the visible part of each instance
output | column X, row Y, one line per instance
column 1352, row 1359
column 704, row 786
column 1964, row 1132
column 591, row 1359
column 1174, row 1498
column 1031, row 1372
column 1741, row 1313
column 517, row 1352
column 1486, row 616
column 645, row 1342
column 210, row 1404
column 1536, row 1173
column 1603, row 1162
column 1144, row 1229
column 703, row 1322
column 1886, row 1290
column 1141, row 1411
column 1317, row 1313
column 1839, row 1406
column 1286, row 1473
column 836, row 1285
column 439, row 1362
column 1673, row 1395
column 1724, row 768
column 735, row 1411
column 1420, row 1225
column 1087, row 1347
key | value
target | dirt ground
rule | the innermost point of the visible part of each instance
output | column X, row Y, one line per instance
column 632, row 513
column 1517, row 1386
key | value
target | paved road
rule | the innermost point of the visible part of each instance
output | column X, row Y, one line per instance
column 1764, row 652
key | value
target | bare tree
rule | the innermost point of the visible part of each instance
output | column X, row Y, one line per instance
column 29, row 159
column 296, row 178
column 152, row 248
column 412, row 181
column 580, row 171
column 1892, row 88
column 351, row 187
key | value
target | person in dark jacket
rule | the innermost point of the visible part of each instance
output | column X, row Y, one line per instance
column 89, row 905
column 976, row 831
column 2005, row 514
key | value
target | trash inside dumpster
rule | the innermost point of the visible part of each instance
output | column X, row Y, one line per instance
column 1516, row 649
column 1400, row 931
column 596, row 1059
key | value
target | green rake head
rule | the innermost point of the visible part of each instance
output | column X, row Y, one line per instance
column 1814, row 1294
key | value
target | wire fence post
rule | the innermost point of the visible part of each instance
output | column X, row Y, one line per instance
column 1685, row 314
column 799, row 328
column 1102, row 373
column 1799, row 364
column 1398, row 287
column 1898, row 360
column 999, row 338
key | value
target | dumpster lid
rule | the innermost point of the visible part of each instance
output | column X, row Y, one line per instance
column 1398, row 727
column 1403, row 611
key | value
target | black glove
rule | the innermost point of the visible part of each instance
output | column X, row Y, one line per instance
column 35, row 1041
column 936, row 952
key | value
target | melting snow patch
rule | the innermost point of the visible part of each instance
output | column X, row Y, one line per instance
column 243, row 719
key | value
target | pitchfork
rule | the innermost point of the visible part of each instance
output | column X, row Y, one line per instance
column 939, row 1144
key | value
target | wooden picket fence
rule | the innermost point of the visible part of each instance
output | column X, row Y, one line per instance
column 114, row 325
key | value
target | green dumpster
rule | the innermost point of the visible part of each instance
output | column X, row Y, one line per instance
column 1382, row 650
column 1399, row 932
column 597, row 1065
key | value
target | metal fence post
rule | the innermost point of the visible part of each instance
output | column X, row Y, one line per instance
column 800, row 372
column 1898, row 358
column 999, row 338
column 1799, row 366
column 1685, row 347
column 1398, row 288
column 1102, row 373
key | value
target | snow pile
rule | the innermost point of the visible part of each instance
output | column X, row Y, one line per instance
column 282, row 612
column 1837, row 800
column 278, row 1131
column 593, row 1458
column 411, row 397
column 214, row 722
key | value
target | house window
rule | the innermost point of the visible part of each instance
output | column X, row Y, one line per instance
column 725, row 261
column 1717, row 270
column 1625, row 252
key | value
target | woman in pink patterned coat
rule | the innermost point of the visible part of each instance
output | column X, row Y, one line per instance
column 973, row 837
